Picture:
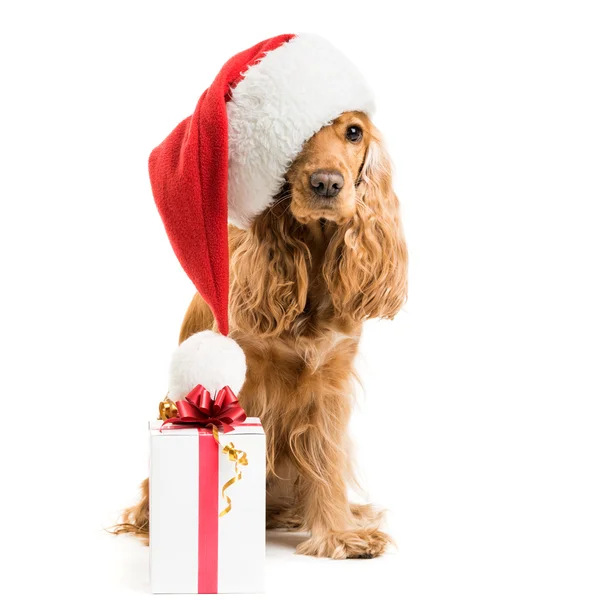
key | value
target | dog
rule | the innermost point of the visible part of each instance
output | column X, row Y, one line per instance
column 328, row 254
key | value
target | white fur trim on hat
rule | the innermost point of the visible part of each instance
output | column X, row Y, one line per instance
column 279, row 104
column 209, row 359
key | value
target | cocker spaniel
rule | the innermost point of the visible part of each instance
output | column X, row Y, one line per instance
column 328, row 254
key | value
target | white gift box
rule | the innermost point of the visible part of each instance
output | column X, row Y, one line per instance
column 192, row 549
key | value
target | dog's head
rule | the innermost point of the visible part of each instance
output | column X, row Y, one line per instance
column 338, row 197
column 323, row 180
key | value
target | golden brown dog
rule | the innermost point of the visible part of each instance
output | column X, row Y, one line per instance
column 327, row 255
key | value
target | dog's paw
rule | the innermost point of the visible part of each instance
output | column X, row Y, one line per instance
column 355, row 543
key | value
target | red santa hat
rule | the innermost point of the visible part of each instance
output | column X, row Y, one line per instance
column 228, row 160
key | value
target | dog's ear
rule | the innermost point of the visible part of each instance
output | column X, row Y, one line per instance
column 366, row 262
column 269, row 273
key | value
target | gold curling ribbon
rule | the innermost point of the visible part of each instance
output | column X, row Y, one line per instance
column 238, row 457
column 167, row 409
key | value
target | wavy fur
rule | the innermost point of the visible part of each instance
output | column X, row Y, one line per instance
column 365, row 263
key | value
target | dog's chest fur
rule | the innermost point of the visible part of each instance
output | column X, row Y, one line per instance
column 292, row 372
column 290, row 377
column 293, row 375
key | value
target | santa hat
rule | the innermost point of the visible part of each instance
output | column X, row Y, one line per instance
column 228, row 159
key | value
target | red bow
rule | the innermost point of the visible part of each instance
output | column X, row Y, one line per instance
column 198, row 408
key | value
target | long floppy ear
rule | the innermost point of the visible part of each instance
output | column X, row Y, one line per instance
column 366, row 262
column 269, row 273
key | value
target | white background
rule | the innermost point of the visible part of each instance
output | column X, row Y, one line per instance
column 479, row 425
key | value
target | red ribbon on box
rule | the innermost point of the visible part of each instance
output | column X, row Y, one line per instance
column 198, row 409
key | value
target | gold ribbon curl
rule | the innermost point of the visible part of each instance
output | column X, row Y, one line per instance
column 167, row 409
column 238, row 457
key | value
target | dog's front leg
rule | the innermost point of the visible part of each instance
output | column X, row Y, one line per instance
column 336, row 532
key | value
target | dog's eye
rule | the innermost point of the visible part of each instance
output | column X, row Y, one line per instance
column 354, row 133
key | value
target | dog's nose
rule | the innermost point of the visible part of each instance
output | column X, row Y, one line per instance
column 326, row 183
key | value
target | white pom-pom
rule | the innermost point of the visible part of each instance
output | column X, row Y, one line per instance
column 209, row 359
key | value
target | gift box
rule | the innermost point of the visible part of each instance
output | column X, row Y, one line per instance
column 207, row 523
